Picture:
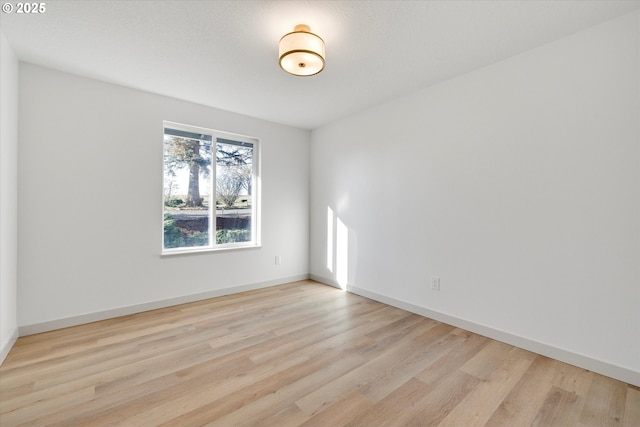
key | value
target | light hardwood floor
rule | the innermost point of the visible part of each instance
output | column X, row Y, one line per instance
column 301, row 354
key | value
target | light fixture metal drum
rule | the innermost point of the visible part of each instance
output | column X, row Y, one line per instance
column 301, row 52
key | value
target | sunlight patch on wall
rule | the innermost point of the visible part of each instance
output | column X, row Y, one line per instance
column 330, row 239
column 337, row 249
column 342, row 254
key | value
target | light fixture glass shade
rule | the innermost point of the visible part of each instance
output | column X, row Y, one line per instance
column 301, row 52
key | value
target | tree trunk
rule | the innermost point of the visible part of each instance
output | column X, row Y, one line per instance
column 193, row 195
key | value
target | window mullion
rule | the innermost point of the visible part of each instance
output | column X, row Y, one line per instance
column 213, row 203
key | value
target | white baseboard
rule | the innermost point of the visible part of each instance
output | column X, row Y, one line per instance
column 37, row 328
column 563, row 355
column 4, row 351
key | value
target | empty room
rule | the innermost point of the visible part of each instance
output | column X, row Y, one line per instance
column 420, row 213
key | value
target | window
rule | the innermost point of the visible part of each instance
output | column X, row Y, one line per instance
column 210, row 190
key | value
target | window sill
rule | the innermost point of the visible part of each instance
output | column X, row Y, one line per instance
column 191, row 251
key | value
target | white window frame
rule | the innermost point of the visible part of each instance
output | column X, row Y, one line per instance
column 255, row 196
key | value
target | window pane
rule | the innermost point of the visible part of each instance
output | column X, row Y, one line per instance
column 210, row 189
column 234, row 191
column 187, row 189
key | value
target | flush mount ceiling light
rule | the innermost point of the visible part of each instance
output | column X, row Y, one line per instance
column 302, row 52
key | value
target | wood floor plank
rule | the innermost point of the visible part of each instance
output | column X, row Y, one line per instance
column 386, row 412
column 60, row 384
column 491, row 357
column 332, row 328
column 573, row 379
column 221, row 397
column 124, row 372
column 444, row 366
column 478, row 406
column 523, row 402
column 45, row 408
column 353, row 405
column 605, row 402
column 367, row 373
column 286, row 395
column 300, row 354
column 236, row 396
column 560, row 408
column 632, row 408
column 426, row 405
column 405, row 366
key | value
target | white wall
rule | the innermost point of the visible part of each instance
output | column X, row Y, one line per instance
column 517, row 184
column 90, row 170
column 8, row 196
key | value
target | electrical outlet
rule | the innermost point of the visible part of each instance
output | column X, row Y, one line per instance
column 435, row 283
column 278, row 260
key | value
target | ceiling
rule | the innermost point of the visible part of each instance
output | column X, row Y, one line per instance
column 223, row 54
